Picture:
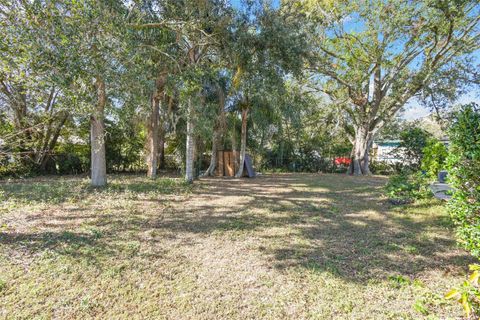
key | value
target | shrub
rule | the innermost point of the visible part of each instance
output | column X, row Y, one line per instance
column 16, row 169
column 434, row 156
column 463, row 165
column 410, row 150
column 383, row 168
column 407, row 187
column 468, row 293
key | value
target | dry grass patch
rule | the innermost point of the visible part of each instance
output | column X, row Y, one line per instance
column 293, row 246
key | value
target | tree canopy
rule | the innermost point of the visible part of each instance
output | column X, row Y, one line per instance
column 115, row 85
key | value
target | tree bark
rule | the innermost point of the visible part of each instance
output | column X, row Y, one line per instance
column 218, row 131
column 213, row 159
column 361, row 147
column 243, row 143
column 153, row 127
column 190, row 145
column 152, row 138
column 161, row 148
column 97, row 136
column 234, row 144
column 46, row 153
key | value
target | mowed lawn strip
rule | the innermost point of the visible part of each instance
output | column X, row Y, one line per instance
column 287, row 246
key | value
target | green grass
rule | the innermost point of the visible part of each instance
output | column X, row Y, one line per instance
column 279, row 246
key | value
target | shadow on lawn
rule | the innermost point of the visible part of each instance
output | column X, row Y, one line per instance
column 328, row 223
column 58, row 189
column 344, row 227
column 78, row 245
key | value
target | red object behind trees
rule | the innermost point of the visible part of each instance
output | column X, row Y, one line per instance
column 342, row 160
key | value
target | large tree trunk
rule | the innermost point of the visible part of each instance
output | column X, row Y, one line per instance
column 190, row 146
column 243, row 143
column 361, row 147
column 97, row 136
column 152, row 138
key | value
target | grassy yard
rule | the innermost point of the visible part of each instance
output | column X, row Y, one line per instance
column 290, row 246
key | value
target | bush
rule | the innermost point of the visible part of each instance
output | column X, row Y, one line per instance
column 468, row 293
column 410, row 150
column 463, row 165
column 434, row 157
column 407, row 187
column 383, row 168
column 16, row 169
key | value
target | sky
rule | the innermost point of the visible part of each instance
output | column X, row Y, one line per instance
column 238, row 3
column 413, row 110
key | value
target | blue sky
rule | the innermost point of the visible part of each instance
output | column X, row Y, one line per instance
column 238, row 3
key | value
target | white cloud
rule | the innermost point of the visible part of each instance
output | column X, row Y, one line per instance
column 414, row 110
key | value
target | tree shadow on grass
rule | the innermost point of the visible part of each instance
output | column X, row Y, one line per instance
column 85, row 246
column 345, row 228
column 325, row 223
column 60, row 190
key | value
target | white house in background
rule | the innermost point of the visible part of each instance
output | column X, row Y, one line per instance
column 383, row 151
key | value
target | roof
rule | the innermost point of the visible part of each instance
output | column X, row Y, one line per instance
column 388, row 143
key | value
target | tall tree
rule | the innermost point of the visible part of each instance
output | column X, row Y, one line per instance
column 96, row 29
column 371, row 57
column 267, row 49
column 34, row 89
column 198, row 27
column 219, row 127
column 152, row 31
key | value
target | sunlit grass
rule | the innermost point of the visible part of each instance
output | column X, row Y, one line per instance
column 286, row 246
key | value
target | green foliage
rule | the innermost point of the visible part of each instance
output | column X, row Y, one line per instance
column 401, row 48
column 468, row 293
column 3, row 285
column 434, row 157
column 15, row 169
column 72, row 158
column 52, row 52
column 412, row 143
column 464, row 174
column 407, row 187
column 383, row 168
column 124, row 145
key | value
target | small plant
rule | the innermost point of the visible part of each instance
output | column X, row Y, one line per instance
column 383, row 168
column 407, row 187
column 434, row 156
column 468, row 294
column 398, row 281
column 410, row 150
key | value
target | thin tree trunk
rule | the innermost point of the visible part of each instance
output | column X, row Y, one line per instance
column 190, row 146
column 152, row 138
column 161, row 149
column 213, row 159
column 51, row 145
column 153, row 126
column 243, row 143
column 218, row 131
column 97, row 129
column 234, row 144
